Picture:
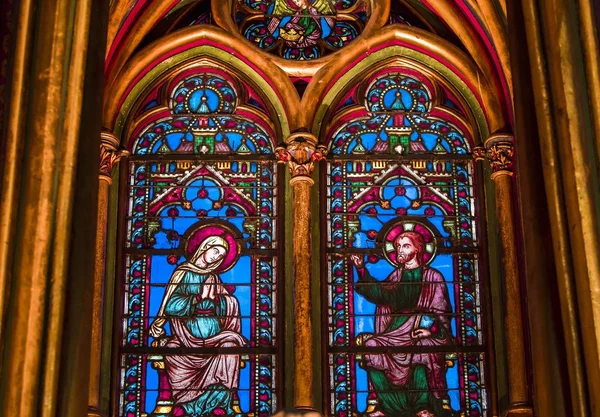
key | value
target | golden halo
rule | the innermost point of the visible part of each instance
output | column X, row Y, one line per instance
column 397, row 228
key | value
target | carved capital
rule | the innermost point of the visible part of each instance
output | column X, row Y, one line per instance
column 300, row 154
column 110, row 155
column 479, row 153
column 500, row 152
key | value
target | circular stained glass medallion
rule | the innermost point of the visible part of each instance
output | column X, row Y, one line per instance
column 301, row 30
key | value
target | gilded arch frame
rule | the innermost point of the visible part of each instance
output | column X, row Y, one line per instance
column 412, row 47
column 192, row 43
column 155, row 65
column 450, row 63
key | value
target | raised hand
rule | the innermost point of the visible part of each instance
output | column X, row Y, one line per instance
column 357, row 260
column 421, row 334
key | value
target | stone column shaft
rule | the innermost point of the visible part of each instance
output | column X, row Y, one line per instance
column 499, row 152
column 300, row 154
column 109, row 157
column 303, row 346
column 48, row 198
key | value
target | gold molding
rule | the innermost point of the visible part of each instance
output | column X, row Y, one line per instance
column 491, row 12
column 472, row 41
column 117, row 14
column 493, row 15
column 49, row 184
column 118, row 102
column 221, row 10
column 565, row 107
column 590, row 37
column 319, row 96
column 131, row 40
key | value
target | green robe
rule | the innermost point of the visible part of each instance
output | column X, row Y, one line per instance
column 415, row 396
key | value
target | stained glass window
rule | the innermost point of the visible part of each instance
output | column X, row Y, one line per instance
column 200, row 292
column 403, row 289
column 301, row 29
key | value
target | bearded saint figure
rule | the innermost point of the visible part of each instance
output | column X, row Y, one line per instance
column 412, row 307
column 201, row 313
column 301, row 23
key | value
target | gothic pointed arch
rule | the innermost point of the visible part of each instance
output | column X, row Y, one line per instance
column 199, row 286
column 402, row 96
column 480, row 26
column 342, row 23
column 401, row 116
column 414, row 46
column 195, row 44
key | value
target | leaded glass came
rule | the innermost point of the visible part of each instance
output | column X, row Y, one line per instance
column 403, row 291
column 200, row 293
column 301, row 29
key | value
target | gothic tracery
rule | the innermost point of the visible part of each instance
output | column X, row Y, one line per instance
column 390, row 115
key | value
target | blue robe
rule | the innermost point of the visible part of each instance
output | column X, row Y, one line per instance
column 199, row 321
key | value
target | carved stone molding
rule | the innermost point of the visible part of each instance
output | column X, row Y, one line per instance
column 519, row 411
column 110, row 155
column 92, row 412
column 300, row 154
column 500, row 153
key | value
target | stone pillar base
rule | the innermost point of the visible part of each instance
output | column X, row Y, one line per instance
column 519, row 411
column 93, row 412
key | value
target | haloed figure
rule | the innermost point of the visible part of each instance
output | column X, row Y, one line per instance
column 202, row 313
column 412, row 304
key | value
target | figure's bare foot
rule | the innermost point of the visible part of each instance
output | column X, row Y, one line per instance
column 425, row 413
column 376, row 413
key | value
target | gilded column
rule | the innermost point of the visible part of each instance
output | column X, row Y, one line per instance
column 110, row 155
column 499, row 150
column 300, row 153
column 48, row 197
